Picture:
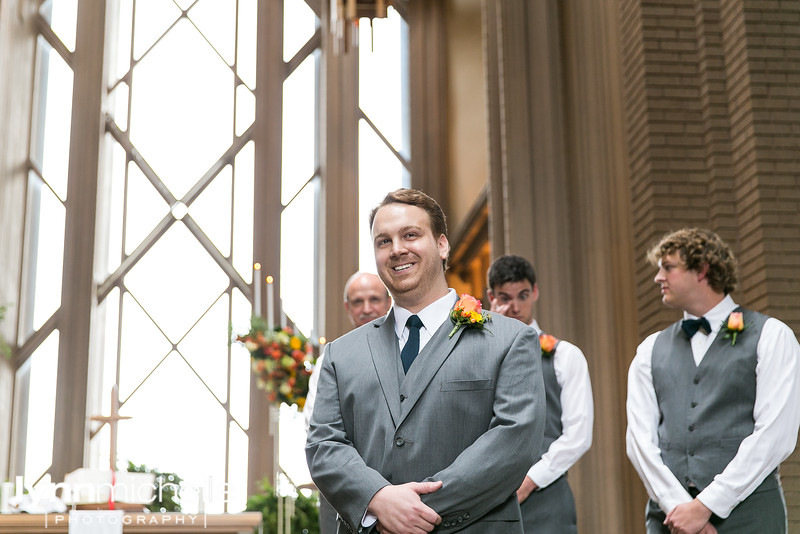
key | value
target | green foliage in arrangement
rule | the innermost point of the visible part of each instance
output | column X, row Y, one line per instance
column 167, row 498
column 306, row 512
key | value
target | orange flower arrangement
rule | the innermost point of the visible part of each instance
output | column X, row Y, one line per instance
column 468, row 312
column 548, row 344
column 282, row 361
column 734, row 326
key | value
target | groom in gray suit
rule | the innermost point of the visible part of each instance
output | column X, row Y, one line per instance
column 421, row 425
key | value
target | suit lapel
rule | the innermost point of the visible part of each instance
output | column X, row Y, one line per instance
column 425, row 366
column 385, row 353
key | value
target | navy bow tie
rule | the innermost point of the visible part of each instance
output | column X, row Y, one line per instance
column 691, row 326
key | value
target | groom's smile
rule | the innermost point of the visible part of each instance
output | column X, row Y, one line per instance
column 407, row 255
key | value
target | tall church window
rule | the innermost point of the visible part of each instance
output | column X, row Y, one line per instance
column 383, row 126
column 44, row 239
column 176, row 225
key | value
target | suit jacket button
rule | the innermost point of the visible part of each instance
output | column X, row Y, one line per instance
column 399, row 442
column 466, row 516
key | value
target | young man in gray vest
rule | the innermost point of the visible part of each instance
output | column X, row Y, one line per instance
column 713, row 400
column 546, row 500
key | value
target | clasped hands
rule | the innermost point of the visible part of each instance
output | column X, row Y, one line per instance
column 690, row 518
column 400, row 510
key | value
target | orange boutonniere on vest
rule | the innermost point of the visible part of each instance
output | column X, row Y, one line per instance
column 468, row 312
column 734, row 326
column 548, row 344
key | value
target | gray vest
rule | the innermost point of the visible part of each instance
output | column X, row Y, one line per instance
column 552, row 424
column 706, row 410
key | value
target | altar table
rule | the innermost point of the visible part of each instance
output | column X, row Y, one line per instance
column 141, row 522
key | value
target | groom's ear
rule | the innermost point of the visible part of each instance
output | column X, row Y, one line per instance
column 444, row 247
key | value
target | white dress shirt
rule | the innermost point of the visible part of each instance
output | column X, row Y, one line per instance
column 432, row 317
column 776, row 413
column 577, row 415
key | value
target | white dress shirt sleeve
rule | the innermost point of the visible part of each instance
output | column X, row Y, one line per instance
column 313, row 380
column 642, row 435
column 777, row 419
column 577, row 416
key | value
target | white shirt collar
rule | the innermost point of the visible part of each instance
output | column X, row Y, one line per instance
column 536, row 327
column 717, row 315
column 432, row 316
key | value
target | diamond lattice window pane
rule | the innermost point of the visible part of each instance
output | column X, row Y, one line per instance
column 152, row 19
column 176, row 282
column 176, row 426
column 118, row 105
column 143, row 347
column 381, row 93
column 216, row 20
column 299, row 25
column 237, row 470
column 41, row 403
column 298, row 235
column 111, row 218
column 182, row 108
column 145, row 208
column 379, row 172
column 52, row 118
column 240, row 362
column 245, row 109
column 47, row 236
column 299, row 98
column 212, row 211
column 121, row 45
column 205, row 347
column 246, row 48
column 243, row 192
column 63, row 19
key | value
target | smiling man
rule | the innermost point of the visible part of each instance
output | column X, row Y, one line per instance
column 414, row 426
column 713, row 400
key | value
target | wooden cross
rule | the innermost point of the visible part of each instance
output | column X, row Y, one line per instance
column 112, row 424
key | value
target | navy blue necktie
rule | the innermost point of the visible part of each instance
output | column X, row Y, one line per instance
column 411, row 348
column 691, row 326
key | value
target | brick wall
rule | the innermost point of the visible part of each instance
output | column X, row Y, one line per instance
column 712, row 99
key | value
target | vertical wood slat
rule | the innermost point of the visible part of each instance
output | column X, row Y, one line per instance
column 78, row 295
column 339, row 183
column 263, row 443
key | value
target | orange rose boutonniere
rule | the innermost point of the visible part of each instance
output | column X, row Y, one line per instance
column 468, row 312
column 734, row 326
column 548, row 344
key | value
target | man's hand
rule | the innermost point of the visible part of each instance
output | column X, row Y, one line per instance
column 400, row 510
column 688, row 518
column 528, row 486
column 708, row 529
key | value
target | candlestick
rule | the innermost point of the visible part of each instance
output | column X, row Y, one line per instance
column 257, row 289
column 284, row 319
column 270, row 303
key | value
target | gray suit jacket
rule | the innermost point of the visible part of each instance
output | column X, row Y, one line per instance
column 472, row 417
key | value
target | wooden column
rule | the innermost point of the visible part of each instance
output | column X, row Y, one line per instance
column 428, row 81
column 339, row 184
column 262, row 460
column 77, row 294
